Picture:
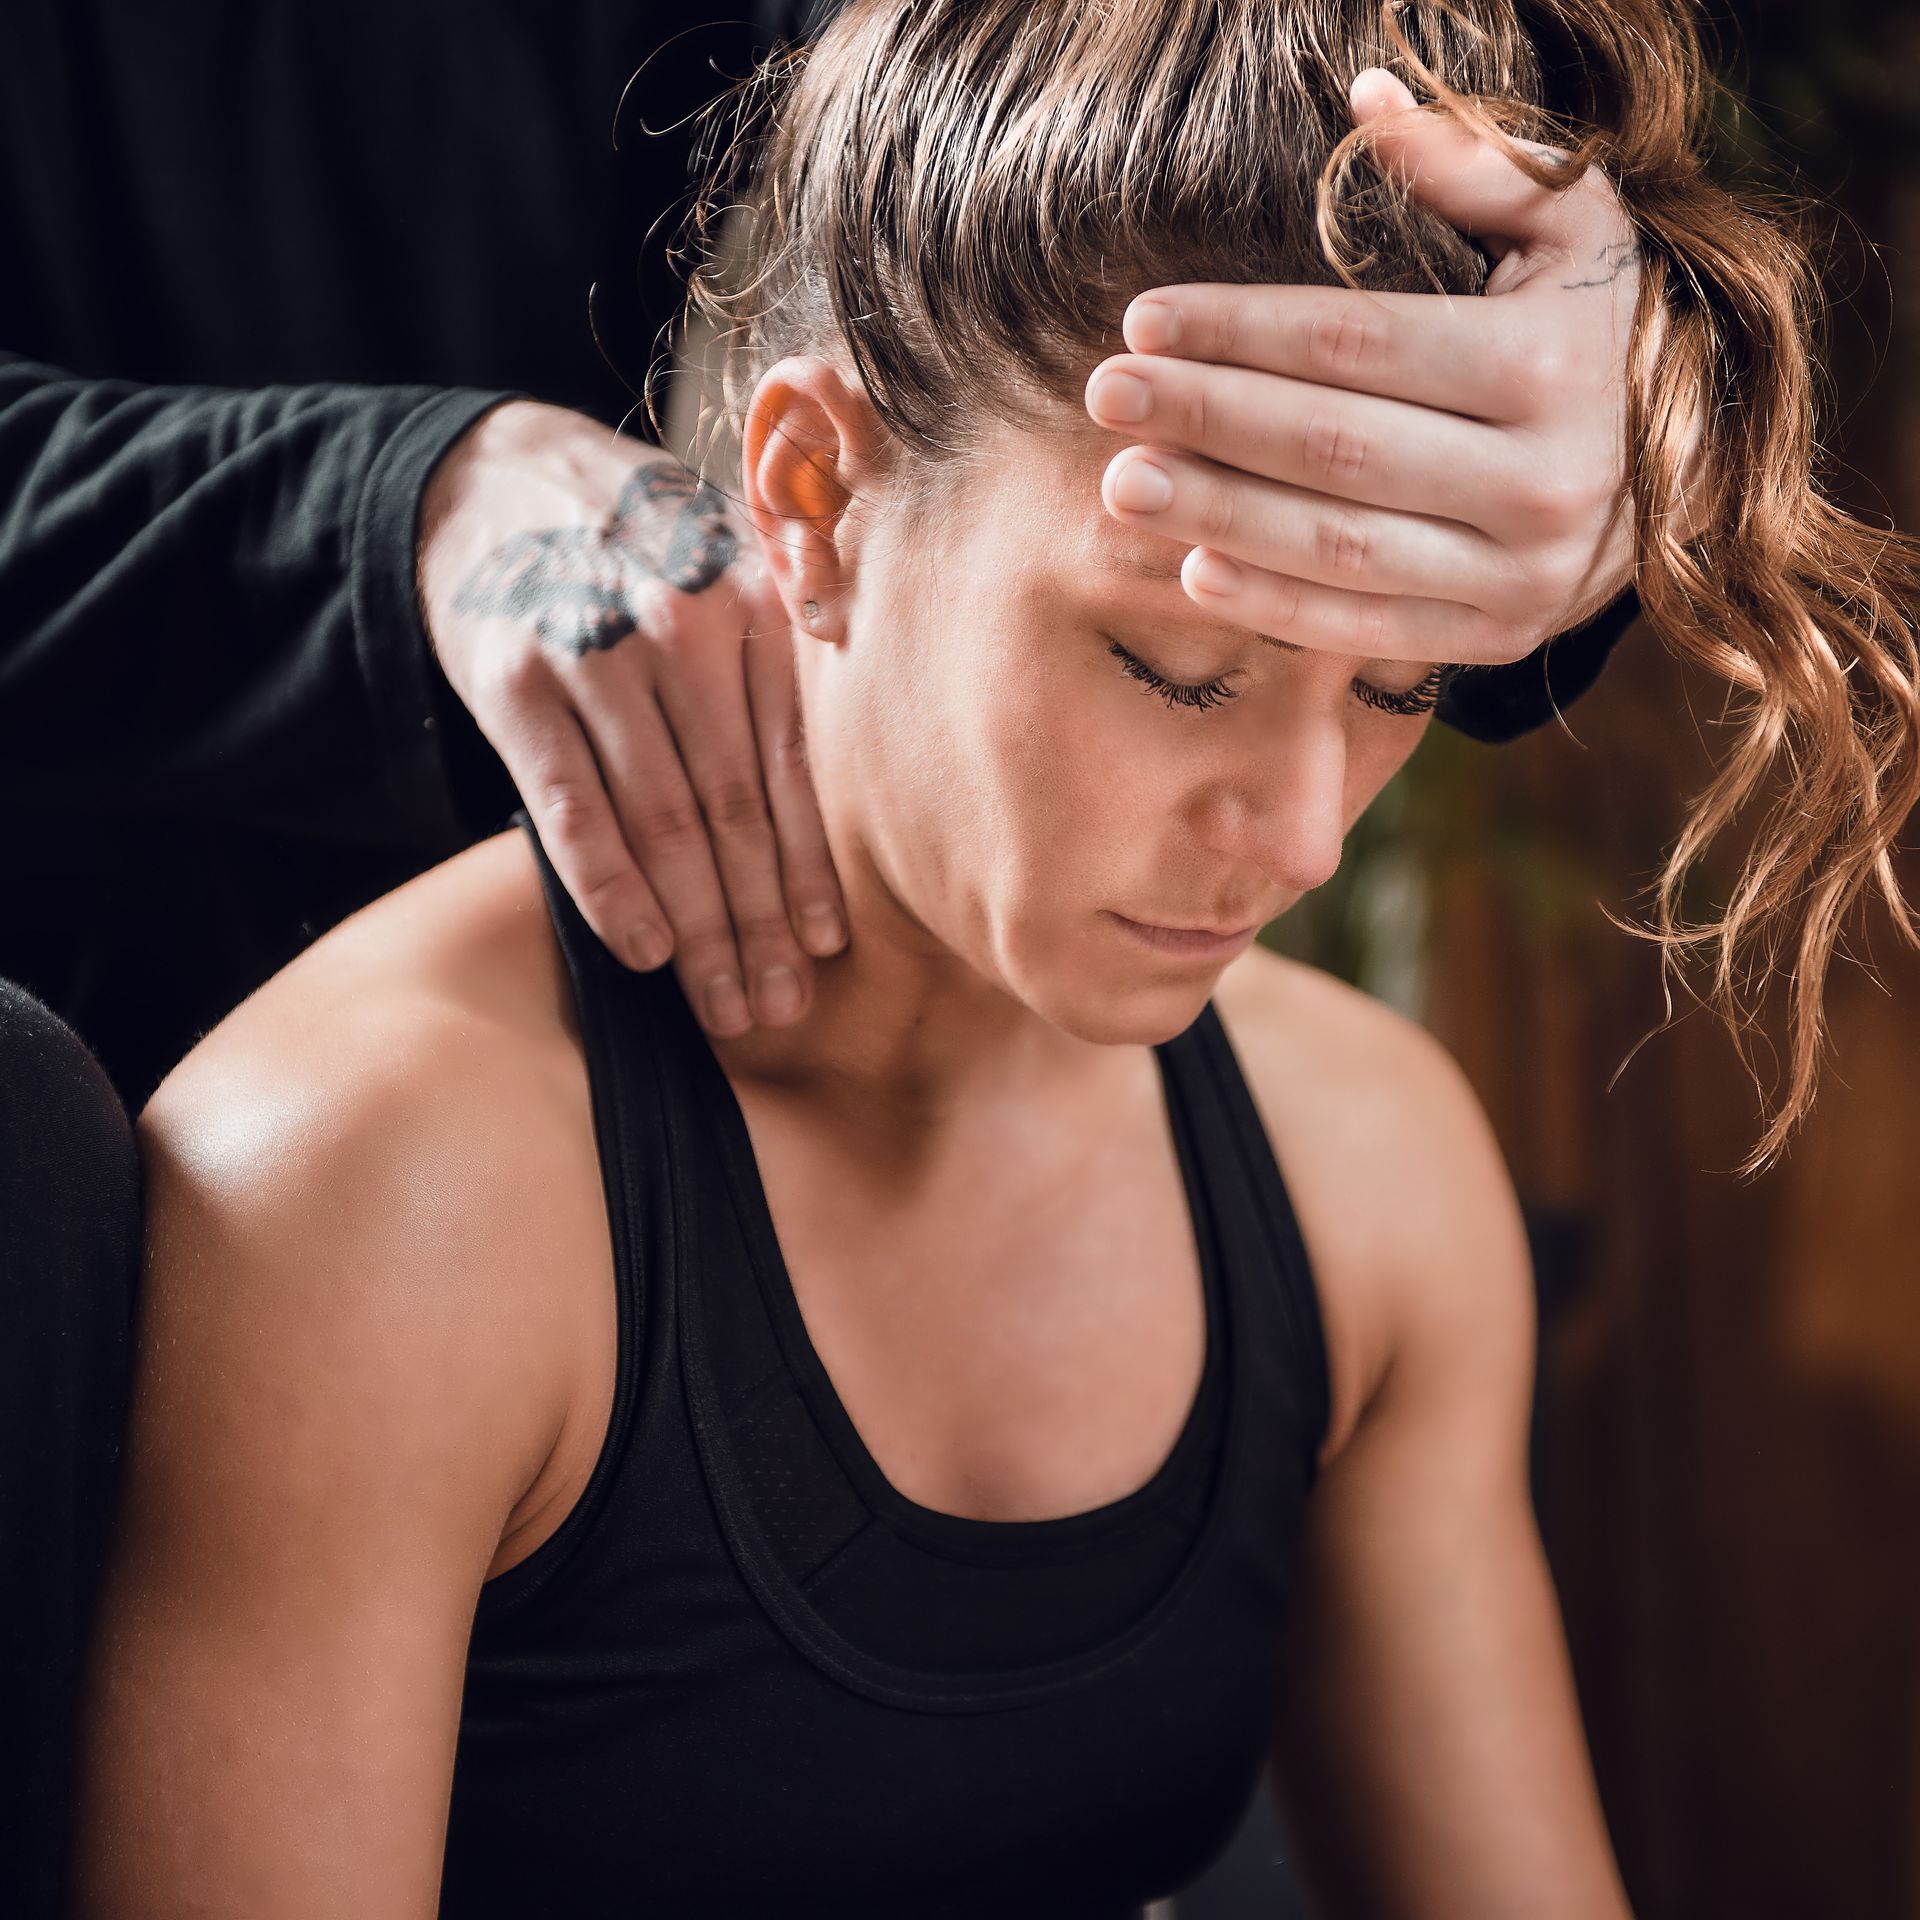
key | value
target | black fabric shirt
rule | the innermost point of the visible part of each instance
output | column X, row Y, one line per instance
column 749, row 1677
column 261, row 262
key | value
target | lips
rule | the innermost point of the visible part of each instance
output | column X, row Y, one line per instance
column 1217, row 933
column 1189, row 942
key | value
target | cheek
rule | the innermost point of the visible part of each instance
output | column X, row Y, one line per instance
column 945, row 752
column 1375, row 753
column 1068, row 780
column 994, row 798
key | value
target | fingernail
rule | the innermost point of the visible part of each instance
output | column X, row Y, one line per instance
column 821, row 930
column 780, row 995
column 647, row 948
column 1141, row 487
column 727, row 1010
column 1374, row 92
column 1124, row 397
column 1215, row 573
column 1152, row 326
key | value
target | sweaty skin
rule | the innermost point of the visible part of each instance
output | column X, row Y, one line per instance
column 377, row 1348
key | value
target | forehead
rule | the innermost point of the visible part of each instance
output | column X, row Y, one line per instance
column 1037, row 498
column 1040, row 493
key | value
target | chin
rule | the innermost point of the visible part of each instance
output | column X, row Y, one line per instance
column 1143, row 1014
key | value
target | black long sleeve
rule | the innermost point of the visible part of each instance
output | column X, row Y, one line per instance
column 209, row 609
column 1495, row 704
column 221, row 726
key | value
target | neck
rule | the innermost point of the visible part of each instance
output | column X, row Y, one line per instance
column 903, row 1032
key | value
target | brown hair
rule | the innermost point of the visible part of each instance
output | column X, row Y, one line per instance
column 960, row 197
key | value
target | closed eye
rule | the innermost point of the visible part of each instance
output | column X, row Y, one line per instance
column 1202, row 696
column 1414, row 700
column 1196, row 695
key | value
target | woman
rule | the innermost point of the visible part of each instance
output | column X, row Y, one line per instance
column 925, row 1460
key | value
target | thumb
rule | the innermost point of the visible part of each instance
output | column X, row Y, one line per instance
column 1374, row 92
column 1462, row 176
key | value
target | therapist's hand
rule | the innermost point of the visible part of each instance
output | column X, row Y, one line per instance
column 1398, row 476
column 620, row 644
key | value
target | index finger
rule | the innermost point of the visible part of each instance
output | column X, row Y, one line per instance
column 1458, row 353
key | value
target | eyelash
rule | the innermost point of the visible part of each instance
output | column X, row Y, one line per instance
column 1200, row 696
column 1204, row 695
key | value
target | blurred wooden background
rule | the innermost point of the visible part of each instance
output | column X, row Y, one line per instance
column 1730, row 1381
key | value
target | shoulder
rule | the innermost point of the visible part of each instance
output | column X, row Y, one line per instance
column 363, row 1203
column 1403, row 1195
column 379, row 1171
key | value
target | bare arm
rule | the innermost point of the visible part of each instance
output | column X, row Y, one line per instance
column 1428, row 1737
column 334, row 1414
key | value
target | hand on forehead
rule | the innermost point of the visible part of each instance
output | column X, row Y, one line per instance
column 1401, row 476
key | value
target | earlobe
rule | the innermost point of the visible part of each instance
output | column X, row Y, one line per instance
column 799, row 453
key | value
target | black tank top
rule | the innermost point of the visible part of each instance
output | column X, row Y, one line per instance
column 748, row 1677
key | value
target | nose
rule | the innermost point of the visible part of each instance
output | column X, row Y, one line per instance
column 1285, row 813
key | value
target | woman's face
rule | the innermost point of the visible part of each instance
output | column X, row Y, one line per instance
column 1052, row 762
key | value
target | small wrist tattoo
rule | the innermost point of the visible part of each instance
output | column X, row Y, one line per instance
column 1615, row 258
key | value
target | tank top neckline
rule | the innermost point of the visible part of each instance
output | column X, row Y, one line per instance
column 966, row 1534
column 699, row 1129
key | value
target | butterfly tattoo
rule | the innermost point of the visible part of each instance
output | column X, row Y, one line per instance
column 573, row 581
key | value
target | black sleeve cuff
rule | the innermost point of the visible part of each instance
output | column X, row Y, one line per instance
column 440, row 773
column 1500, row 703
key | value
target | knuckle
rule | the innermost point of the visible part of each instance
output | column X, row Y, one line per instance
column 1225, row 329
column 673, row 644
column 1218, row 514
column 1284, row 599
column 514, row 676
column 786, row 750
column 1195, row 415
column 1541, row 364
column 667, row 822
column 1599, row 185
column 567, row 810
column 735, row 805
column 1344, row 342
column 1334, row 450
column 1369, row 624
column 1561, row 504
column 602, row 893
column 1566, row 579
column 1341, row 543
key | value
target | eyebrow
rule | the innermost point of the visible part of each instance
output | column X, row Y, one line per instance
column 1160, row 572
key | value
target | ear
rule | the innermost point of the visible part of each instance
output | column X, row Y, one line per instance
column 807, row 450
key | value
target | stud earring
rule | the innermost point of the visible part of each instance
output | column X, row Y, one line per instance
column 812, row 610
